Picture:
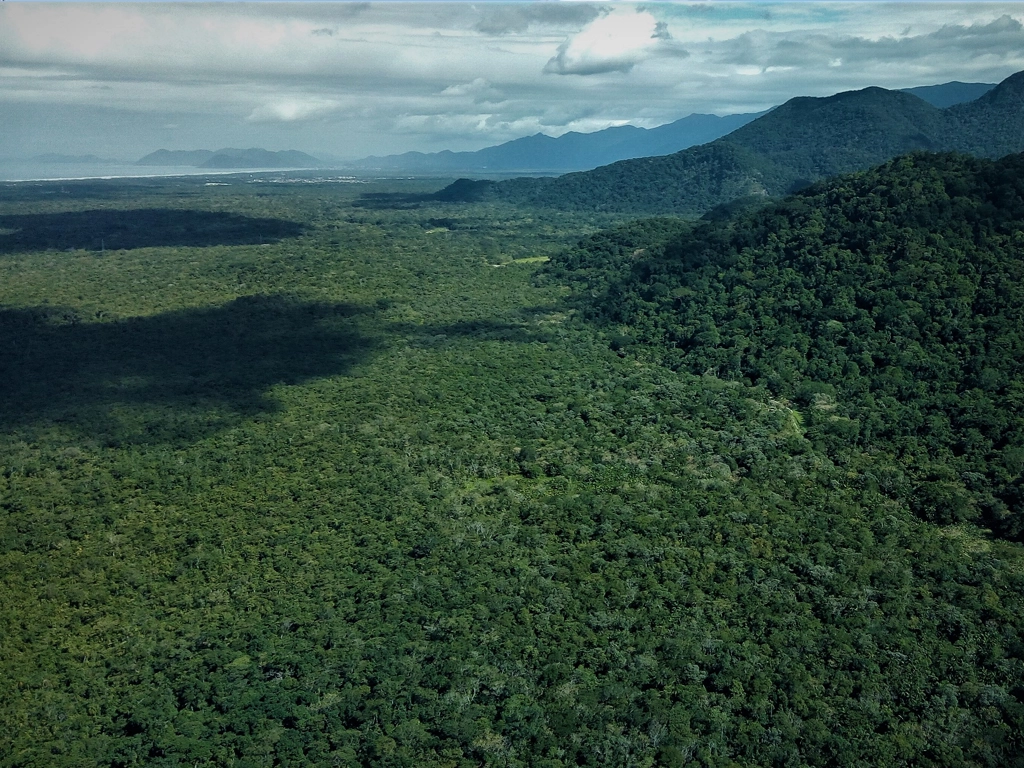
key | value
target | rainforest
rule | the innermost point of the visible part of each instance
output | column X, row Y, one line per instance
column 300, row 471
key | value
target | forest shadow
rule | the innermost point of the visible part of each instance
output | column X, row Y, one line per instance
column 520, row 331
column 172, row 377
column 138, row 228
column 391, row 201
column 459, row 191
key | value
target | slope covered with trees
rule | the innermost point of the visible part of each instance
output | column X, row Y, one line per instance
column 804, row 140
column 886, row 305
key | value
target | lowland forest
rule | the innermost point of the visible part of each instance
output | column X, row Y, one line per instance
column 296, row 472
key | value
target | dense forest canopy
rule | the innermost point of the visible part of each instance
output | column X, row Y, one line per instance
column 887, row 305
column 372, row 490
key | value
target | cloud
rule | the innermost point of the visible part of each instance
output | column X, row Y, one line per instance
column 1003, row 38
column 507, row 19
column 480, row 90
column 396, row 76
column 615, row 42
column 290, row 110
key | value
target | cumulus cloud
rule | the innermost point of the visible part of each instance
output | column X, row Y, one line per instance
column 615, row 42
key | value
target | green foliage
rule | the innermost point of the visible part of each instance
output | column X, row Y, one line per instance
column 372, row 495
column 886, row 305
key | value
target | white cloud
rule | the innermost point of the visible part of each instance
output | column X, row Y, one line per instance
column 480, row 91
column 290, row 110
column 615, row 42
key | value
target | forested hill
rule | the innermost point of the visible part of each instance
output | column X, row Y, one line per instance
column 809, row 138
column 888, row 306
column 992, row 125
column 804, row 140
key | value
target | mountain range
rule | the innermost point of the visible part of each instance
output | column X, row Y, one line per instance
column 585, row 151
column 789, row 147
column 230, row 158
column 58, row 158
column 569, row 152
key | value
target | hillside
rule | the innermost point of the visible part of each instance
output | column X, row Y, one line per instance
column 812, row 138
column 801, row 141
column 571, row 151
column 886, row 305
column 991, row 125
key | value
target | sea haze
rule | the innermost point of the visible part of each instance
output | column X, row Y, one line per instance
column 22, row 170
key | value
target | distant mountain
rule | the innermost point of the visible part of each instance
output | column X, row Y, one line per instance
column 171, row 157
column 571, row 151
column 803, row 140
column 259, row 158
column 585, row 151
column 54, row 157
column 230, row 158
column 949, row 94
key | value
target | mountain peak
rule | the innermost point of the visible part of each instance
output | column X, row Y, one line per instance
column 1010, row 89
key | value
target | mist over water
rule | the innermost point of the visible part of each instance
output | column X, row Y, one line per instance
column 22, row 170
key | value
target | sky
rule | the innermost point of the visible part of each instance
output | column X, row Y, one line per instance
column 346, row 80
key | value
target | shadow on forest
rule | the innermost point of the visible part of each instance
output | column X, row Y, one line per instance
column 481, row 329
column 459, row 191
column 391, row 201
column 171, row 377
column 98, row 189
column 179, row 376
column 139, row 228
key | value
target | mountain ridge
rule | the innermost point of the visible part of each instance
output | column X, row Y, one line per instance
column 574, row 151
column 568, row 152
column 949, row 94
column 799, row 142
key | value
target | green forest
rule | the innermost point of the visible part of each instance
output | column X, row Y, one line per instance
column 325, row 474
